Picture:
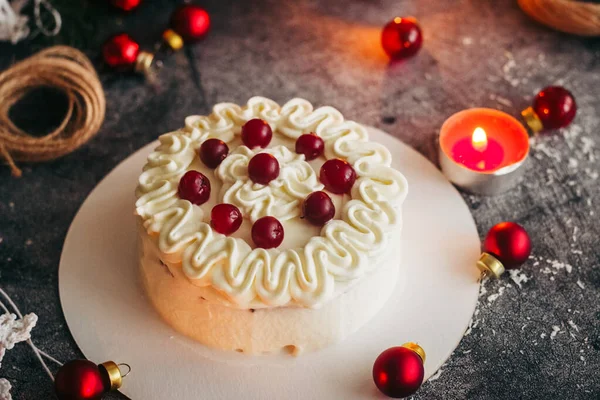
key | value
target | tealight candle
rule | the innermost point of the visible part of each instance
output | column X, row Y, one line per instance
column 482, row 150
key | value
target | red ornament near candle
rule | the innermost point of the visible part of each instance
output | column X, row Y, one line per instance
column 482, row 150
column 123, row 53
column 398, row 371
column 554, row 107
column 126, row 5
column 84, row 380
column 506, row 246
column 402, row 38
column 189, row 23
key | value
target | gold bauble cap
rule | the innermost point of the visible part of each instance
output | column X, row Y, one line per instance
column 173, row 39
column 143, row 62
column 532, row 120
column 490, row 265
column 416, row 348
column 115, row 378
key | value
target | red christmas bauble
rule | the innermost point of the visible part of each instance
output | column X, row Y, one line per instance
column 80, row 380
column 337, row 176
column 194, row 187
column 398, row 372
column 120, row 51
column 401, row 38
column 263, row 168
column 190, row 22
column 126, row 5
column 509, row 243
column 555, row 106
column 226, row 218
column 267, row 232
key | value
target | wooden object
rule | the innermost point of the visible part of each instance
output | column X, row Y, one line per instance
column 567, row 16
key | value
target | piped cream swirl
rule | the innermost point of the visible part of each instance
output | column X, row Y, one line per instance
column 249, row 277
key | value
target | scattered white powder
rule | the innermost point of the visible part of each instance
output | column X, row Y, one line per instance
column 572, row 325
column 576, row 251
column 504, row 102
column 580, row 284
column 555, row 330
column 573, row 163
column 575, row 230
column 436, row 376
column 493, row 297
column 467, row 351
column 543, row 335
column 518, row 277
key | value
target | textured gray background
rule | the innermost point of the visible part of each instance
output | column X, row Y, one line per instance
column 537, row 340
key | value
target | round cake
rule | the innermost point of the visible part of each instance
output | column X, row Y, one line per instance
column 267, row 228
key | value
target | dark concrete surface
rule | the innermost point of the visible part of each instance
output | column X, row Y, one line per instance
column 535, row 339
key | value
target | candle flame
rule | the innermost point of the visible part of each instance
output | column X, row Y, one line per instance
column 479, row 139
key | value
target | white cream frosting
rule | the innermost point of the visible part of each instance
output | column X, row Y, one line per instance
column 281, row 198
column 346, row 247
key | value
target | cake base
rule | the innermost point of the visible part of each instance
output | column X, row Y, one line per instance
column 292, row 330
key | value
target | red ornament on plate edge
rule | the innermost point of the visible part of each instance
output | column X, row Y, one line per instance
column 398, row 371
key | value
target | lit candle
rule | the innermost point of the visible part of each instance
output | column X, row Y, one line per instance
column 482, row 150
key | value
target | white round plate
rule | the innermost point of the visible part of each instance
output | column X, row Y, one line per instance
column 110, row 319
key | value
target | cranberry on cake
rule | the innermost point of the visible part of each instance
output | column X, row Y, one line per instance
column 267, row 228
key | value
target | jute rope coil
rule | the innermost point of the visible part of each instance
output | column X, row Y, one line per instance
column 66, row 69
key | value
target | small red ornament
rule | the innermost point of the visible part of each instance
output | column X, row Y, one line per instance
column 84, row 380
column 267, row 232
column 401, row 38
column 398, row 371
column 126, row 5
column 337, row 175
column 226, row 218
column 318, row 208
column 194, row 187
column 256, row 133
column 189, row 23
column 506, row 246
column 554, row 107
column 311, row 145
column 121, row 52
column 263, row 168
column 213, row 152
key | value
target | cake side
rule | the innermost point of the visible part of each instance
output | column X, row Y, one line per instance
column 197, row 312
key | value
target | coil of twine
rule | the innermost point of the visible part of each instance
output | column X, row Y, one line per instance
column 63, row 68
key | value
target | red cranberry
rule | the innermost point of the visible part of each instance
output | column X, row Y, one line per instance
column 263, row 168
column 212, row 152
column 310, row 145
column 318, row 208
column 337, row 175
column 194, row 187
column 267, row 232
column 555, row 106
column 401, row 38
column 256, row 133
column 225, row 218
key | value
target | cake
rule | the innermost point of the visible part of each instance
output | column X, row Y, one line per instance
column 267, row 228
